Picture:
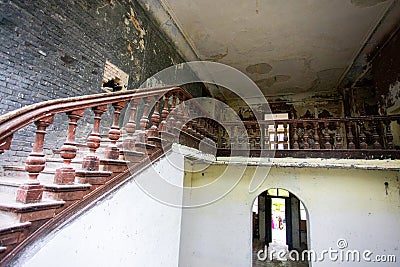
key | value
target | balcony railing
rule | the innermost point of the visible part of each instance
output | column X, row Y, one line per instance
column 351, row 137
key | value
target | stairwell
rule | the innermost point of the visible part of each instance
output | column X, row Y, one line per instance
column 47, row 190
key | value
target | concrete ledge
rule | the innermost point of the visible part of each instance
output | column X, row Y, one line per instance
column 313, row 163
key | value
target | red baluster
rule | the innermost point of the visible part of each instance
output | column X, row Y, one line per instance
column 178, row 112
column 163, row 126
column 130, row 127
column 144, row 122
column 172, row 113
column 91, row 162
column 66, row 174
column 155, row 119
column 112, row 151
column 31, row 191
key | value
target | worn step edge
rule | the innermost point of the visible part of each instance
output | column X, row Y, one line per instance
column 23, row 208
column 14, row 227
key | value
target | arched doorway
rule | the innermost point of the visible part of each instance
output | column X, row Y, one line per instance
column 279, row 224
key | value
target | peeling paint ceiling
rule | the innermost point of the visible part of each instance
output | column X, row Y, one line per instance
column 285, row 47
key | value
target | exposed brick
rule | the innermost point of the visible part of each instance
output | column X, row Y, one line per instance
column 38, row 37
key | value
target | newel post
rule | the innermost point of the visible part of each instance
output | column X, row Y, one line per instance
column 31, row 191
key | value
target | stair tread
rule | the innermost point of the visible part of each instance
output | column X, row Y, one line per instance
column 18, row 180
column 13, row 205
column 13, row 227
column 2, row 249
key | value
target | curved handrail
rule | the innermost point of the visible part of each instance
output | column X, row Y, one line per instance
column 15, row 120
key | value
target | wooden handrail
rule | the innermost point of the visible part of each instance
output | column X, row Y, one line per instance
column 344, row 119
column 13, row 121
column 360, row 133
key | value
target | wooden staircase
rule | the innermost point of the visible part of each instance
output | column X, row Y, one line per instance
column 46, row 190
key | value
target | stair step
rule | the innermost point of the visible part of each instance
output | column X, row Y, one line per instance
column 3, row 249
column 13, row 227
column 11, row 234
column 9, row 186
column 13, row 211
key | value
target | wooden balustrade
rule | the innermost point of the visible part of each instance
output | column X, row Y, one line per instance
column 369, row 134
column 161, row 114
column 170, row 120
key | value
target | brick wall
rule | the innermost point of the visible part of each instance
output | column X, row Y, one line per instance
column 58, row 48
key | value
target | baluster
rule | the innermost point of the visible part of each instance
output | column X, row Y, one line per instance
column 144, row 121
column 389, row 135
column 327, row 136
column 316, row 136
column 185, row 117
column 66, row 174
column 363, row 137
column 172, row 113
column 350, row 137
column 163, row 126
column 295, row 136
column 262, row 134
column 130, row 127
column 178, row 112
column 155, row 119
column 305, row 136
column 31, row 191
column 189, row 127
column 285, row 136
column 91, row 162
column 375, row 135
column 339, row 144
column 112, row 151
column 276, row 139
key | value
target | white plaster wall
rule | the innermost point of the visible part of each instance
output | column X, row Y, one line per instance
column 341, row 203
column 128, row 228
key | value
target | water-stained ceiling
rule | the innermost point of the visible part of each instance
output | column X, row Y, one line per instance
column 286, row 47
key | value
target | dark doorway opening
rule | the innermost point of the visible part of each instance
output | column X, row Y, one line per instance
column 279, row 224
